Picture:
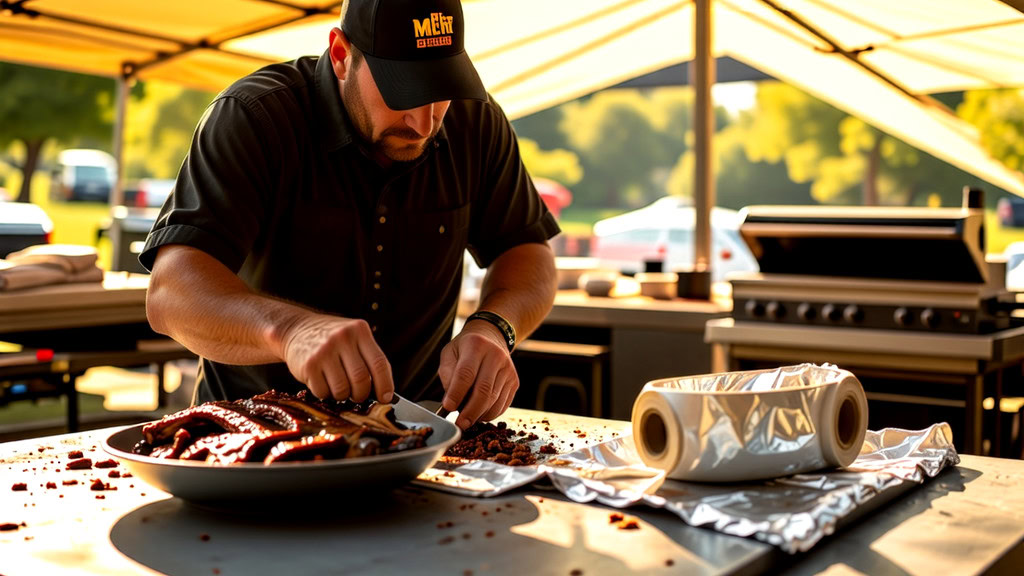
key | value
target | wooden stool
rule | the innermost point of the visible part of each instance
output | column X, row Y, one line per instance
column 591, row 398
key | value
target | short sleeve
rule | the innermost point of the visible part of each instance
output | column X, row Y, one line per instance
column 222, row 189
column 509, row 211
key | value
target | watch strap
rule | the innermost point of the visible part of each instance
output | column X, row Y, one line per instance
column 503, row 325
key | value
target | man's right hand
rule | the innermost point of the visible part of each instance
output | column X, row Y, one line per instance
column 337, row 357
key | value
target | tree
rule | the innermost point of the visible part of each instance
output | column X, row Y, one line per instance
column 619, row 147
column 38, row 104
column 999, row 116
column 159, row 129
column 560, row 165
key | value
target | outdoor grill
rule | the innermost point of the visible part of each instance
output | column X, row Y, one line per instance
column 918, row 269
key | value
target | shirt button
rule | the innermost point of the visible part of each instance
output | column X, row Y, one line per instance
column 374, row 306
column 380, row 247
column 376, row 285
column 382, row 220
column 441, row 229
column 376, row 273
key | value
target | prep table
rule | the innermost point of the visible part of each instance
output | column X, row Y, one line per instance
column 968, row 519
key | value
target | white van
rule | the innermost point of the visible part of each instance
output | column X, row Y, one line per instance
column 82, row 174
column 663, row 231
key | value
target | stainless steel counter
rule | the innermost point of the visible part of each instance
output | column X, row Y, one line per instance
column 966, row 520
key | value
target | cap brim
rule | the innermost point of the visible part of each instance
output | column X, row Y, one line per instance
column 406, row 84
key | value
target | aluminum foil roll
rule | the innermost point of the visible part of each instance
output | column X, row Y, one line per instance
column 751, row 425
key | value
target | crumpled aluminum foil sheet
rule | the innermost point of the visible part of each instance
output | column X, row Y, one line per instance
column 792, row 513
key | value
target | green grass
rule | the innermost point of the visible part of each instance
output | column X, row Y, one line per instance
column 998, row 238
column 21, row 411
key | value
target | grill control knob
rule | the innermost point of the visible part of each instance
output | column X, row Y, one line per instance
column 806, row 312
column 831, row 312
column 754, row 309
column 853, row 314
column 775, row 310
column 902, row 316
column 930, row 318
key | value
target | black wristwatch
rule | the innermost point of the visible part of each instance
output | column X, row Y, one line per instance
column 506, row 328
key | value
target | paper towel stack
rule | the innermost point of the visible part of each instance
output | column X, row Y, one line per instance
column 740, row 426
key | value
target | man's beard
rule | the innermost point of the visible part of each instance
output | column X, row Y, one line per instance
column 383, row 145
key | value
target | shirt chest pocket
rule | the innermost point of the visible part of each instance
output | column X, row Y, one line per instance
column 432, row 245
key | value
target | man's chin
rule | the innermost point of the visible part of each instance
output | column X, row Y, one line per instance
column 406, row 153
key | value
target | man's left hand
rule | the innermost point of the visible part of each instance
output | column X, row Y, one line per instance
column 477, row 363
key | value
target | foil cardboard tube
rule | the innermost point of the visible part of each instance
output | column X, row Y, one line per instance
column 751, row 425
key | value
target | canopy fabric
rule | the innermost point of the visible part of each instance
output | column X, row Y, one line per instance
column 875, row 59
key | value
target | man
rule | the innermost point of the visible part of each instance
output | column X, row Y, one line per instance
column 316, row 231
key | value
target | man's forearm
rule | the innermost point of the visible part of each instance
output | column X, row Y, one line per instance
column 197, row 301
column 520, row 286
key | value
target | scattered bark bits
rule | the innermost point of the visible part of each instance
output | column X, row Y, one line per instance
column 74, row 454
column 80, row 464
column 613, row 518
column 489, row 534
column 204, row 537
column 71, row 482
column 576, row 572
column 113, row 474
column 466, row 535
column 670, row 562
column 446, row 540
column 494, row 442
column 443, row 525
column 19, row 487
column 106, row 463
column 98, row 484
column 8, row 526
column 629, row 525
column 51, row 485
column 100, row 497
column 548, row 448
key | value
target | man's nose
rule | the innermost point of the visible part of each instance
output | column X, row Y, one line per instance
column 421, row 119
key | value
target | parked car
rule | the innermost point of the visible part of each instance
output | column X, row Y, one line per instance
column 663, row 231
column 23, row 225
column 1010, row 211
column 84, row 175
column 148, row 192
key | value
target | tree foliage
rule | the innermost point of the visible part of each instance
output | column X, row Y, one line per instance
column 560, row 165
column 159, row 130
column 38, row 104
column 999, row 116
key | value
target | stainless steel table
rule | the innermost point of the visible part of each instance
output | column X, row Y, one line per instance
column 969, row 519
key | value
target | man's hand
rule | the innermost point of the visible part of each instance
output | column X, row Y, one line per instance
column 337, row 357
column 477, row 363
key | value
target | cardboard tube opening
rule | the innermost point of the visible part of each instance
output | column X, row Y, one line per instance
column 655, row 435
column 846, row 422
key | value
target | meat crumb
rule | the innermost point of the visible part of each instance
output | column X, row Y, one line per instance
column 446, row 540
column 489, row 534
column 80, row 464
column 113, row 474
column 51, row 485
column 71, row 482
column 669, row 562
column 576, row 572
column 110, row 463
column 629, row 525
column 19, row 487
column 75, row 454
column 204, row 537
column 100, row 497
column 8, row 526
column 613, row 518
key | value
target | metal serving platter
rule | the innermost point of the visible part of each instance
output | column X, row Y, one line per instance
column 226, row 485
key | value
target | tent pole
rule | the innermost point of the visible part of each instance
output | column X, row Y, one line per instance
column 702, row 78
column 121, row 97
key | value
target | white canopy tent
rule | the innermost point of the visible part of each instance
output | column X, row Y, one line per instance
column 875, row 59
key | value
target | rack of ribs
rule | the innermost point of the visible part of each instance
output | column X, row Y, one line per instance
column 278, row 427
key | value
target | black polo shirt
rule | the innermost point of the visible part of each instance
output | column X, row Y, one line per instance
column 278, row 187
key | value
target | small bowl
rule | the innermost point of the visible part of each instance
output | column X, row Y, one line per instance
column 660, row 285
column 598, row 283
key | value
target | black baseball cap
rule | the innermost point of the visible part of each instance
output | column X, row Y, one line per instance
column 414, row 49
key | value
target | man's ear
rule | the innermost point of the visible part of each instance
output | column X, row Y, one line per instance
column 338, row 51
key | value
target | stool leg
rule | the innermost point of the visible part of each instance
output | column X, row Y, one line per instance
column 68, row 381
